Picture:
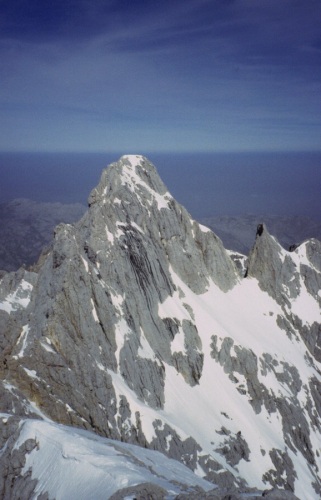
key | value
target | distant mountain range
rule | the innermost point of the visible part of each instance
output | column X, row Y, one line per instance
column 26, row 227
column 136, row 349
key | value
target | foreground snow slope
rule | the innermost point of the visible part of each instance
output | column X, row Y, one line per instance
column 74, row 464
column 138, row 326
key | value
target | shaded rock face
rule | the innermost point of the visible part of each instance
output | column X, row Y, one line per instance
column 104, row 279
column 274, row 268
column 281, row 273
column 237, row 231
column 138, row 325
column 14, row 481
column 284, row 275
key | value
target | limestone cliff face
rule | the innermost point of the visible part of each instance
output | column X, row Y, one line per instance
column 97, row 296
column 136, row 324
column 285, row 275
column 272, row 266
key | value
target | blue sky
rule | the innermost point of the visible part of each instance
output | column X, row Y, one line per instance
column 176, row 75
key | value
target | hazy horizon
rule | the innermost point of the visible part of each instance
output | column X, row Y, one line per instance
column 205, row 183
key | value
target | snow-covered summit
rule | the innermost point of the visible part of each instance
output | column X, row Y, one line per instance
column 131, row 178
column 133, row 160
column 138, row 326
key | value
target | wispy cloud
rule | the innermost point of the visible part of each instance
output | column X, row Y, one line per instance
column 156, row 70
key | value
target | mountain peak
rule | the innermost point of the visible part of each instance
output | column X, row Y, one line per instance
column 132, row 178
column 137, row 326
column 132, row 159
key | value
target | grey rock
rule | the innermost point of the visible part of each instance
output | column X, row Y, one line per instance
column 235, row 448
column 245, row 363
column 312, row 279
column 144, row 376
column 283, row 476
column 216, row 474
column 310, row 334
column 94, row 325
column 236, row 231
column 144, row 491
column 190, row 364
column 240, row 262
column 75, row 318
column 315, row 386
column 313, row 252
column 296, row 428
column 26, row 228
column 278, row 494
column 14, row 485
column 276, row 274
column 168, row 442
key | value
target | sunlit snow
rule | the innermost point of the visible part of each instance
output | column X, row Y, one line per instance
column 78, row 465
column 18, row 299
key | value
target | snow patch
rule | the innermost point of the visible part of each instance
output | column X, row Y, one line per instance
column 110, row 236
column 94, row 311
column 19, row 299
column 117, row 301
column 134, row 182
column 22, row 338
column 31, row 373
column 122, row 330
column 178, row 343
column 85, row 263
column 74, row 464
column 204, row 229
column 305, row 306
column 172, row 307
column 133, row 159
column 145, row 351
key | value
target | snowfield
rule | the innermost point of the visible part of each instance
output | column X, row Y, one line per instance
column 77, row 465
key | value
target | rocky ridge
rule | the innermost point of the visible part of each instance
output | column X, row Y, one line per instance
column 236, row 231
column 137, row 325
column 26, row 227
